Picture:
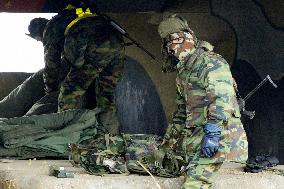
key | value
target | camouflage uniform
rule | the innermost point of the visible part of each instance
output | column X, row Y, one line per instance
column 56, row 68
column 53, row 41
column 90, row 57
column 95, row 52
column 94, row 49
column 205, row 93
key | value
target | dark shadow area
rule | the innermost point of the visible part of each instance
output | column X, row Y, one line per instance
column 139, row 106
column 265, row 132
column 114, row 6
column 258, row 41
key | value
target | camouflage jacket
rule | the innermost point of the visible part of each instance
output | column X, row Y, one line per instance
column 95, row 51
column 205, row 90
column 206, row 94
column 53, row 41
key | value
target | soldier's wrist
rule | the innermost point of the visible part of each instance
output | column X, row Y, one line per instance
column 219, row 123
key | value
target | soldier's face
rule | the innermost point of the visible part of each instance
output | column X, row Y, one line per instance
column 179, row 44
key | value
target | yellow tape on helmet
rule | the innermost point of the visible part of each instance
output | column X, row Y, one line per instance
column 81, row 14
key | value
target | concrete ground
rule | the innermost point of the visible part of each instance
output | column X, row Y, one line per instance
column 34, row 174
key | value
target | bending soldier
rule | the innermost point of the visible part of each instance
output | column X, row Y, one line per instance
column 82, row 48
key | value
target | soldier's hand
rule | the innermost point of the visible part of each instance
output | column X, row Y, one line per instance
column 210, row 143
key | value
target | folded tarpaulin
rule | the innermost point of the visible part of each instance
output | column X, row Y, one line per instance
column 48, row 132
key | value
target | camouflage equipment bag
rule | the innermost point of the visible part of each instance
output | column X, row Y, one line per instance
column 126, row 153
column 143, row 148
column 146, row 149
column 101, row 156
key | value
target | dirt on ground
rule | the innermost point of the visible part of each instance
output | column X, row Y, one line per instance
column 232, row 176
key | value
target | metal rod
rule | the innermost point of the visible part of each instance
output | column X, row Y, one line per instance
column 267, row 78
column 270, row 80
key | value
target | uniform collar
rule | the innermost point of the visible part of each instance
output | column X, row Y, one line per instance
column 184, row 64
column 189, row 61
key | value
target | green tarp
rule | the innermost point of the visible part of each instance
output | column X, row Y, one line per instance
column 46, row 135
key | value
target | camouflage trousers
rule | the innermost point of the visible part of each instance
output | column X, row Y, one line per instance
column 200, row 170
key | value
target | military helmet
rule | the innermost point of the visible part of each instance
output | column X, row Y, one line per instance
column 172, row 24
column 36, row 27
